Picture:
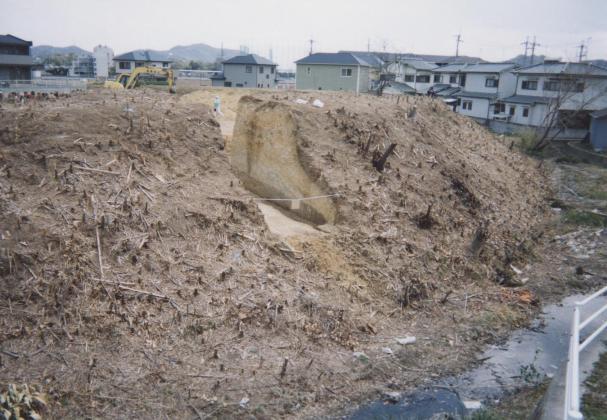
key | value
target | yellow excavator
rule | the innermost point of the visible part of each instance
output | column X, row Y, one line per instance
column 131, row 80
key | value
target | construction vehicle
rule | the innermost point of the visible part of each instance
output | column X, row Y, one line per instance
column 131, row 80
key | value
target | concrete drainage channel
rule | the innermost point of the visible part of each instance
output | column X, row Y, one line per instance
column 264, row 153
column 528, row 355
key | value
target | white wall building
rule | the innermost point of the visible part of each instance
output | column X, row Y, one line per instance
column 482, row 84
column 103, row 60
column 415, row 73
column 575, row 88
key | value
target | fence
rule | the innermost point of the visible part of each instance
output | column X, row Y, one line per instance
column 47, row 84
column 572, row 390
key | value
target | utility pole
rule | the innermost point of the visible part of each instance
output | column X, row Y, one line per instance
column 458, row 40
column 271, row 57
column 533, row 45
column 221, row 50
column 311, row 41
column 526, row 44
column 583, row 51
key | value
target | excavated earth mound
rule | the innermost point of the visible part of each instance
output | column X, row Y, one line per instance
column 138, row 278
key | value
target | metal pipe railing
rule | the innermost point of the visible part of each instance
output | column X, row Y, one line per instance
column 572, row 384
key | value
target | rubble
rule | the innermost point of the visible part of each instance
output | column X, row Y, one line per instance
column 139, row 276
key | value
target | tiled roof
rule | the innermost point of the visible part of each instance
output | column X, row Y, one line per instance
column 143, row 55
column 13, row 40
column 419, row 64
column 551, row 68
column 347, row 59
column 475, row 68
column 526, row 99
column 481, row 95
column 249, row 59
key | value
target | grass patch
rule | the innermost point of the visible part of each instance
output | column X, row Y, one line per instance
column 584, row 218
column 519, row 405
column 594, row 402
column 597, row 191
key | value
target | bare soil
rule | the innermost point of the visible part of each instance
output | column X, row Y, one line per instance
column 199, row 310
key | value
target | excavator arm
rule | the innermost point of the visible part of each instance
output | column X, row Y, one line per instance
column 129, row 81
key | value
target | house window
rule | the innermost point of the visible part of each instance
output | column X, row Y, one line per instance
column 309, row 70
column 139, row 64
column 512, row 110
column 165, row 64
column 529, row 85
column 499, row 108
column 124, row 65
column 248, row 69
column 422, row 79
column 462, row 80
column 227, row 84
column 260, row 69
column 453, row 78
column 525, row 112
column 409, row 78
column 267, row 76
column 467, row 105
column 437, row 78
column 272, row 70
column 346, row 72
column 491, row 82
column 552, row 85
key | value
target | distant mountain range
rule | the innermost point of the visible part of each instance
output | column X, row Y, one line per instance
column 196, row 52
column 45, row 51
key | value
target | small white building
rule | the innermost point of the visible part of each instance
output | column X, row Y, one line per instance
column 553, row 95
column 481, row 86
column 127, row 62
column 415, row 73
column 103, row 60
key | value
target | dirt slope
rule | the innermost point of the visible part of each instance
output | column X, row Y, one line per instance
column 202, row 312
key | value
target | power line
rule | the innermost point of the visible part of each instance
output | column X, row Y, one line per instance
column 583, row 51
column 526, row 44
column 458, row 40
column 533, row 45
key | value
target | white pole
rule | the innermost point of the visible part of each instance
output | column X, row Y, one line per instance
column 574, row 410
column 358, row 79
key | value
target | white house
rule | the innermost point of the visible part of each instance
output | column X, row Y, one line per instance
column 416, row 73
column 481, row 86
column 127, row 62
column 572, row 90
column 103, row 60
column 250, row 71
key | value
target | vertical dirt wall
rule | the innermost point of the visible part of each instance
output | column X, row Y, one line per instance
column 265, row 155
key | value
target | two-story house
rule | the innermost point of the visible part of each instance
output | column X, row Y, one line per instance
column 333, row 71
column 415, row 73
column 481, row 86
column 249, row 71
column 15, row 58
column 127, row 62
column 569, row 92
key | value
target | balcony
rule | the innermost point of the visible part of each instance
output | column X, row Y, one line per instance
column 16, row 60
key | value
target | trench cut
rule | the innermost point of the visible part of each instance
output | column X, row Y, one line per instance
column 266, row 155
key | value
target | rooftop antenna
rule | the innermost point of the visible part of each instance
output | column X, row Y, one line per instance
column 458, row 40
column 311, row 41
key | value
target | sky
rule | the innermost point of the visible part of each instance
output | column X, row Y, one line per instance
column 492, row 30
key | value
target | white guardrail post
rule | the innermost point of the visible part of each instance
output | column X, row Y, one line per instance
column 572, row 384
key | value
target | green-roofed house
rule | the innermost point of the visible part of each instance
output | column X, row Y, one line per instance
column 333, row 71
